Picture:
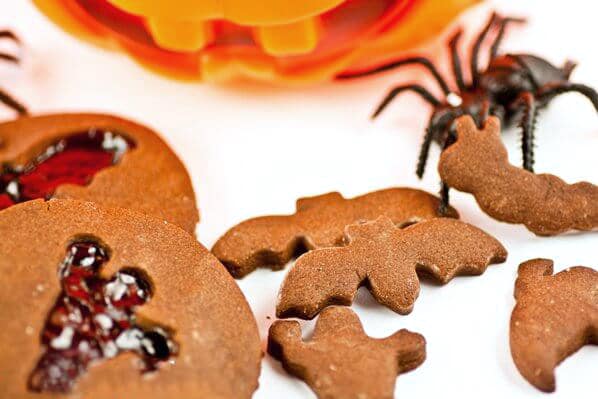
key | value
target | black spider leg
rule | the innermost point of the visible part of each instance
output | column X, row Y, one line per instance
column 456, row 60
column 6, row 98
column 484, row 113
column 10, row 35
column 568, row 68
column 501, row 33
column 9, row 57
column 550, row 91
column 400, row 63
column 432, row 131
column 450, row 140
column 526, row 103
column 475, row 51
column 423, row 92
column 12, row 103
column 445, row 199
column 444, row 188
column 6, row 34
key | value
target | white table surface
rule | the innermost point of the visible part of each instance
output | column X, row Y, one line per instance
column 252, row 150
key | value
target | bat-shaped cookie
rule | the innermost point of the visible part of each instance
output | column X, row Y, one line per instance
column 555, row 316
column 271, row 241
column 478, row 163
column 341, row 361
column 386, row 259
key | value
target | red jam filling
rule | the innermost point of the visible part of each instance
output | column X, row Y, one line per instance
column 94, row 319
column 72, row 160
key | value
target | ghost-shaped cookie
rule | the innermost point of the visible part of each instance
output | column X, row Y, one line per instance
column 341, row 361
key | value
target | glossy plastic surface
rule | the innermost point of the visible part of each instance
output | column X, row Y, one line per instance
column 278, row 41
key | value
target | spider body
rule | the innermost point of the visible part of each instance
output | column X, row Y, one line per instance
column 499, row 90
column 509, row 77
column 468, row 102
column 511, row 74
column 513, row 87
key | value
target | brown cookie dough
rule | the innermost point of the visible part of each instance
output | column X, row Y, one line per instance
column 271, row 241
column 387, row 260
column 149, row 178
column 341, row 361
column 478, row 163
column 554, row 317
column 219, row 351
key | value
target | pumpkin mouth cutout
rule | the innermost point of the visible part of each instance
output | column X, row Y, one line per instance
column 292, row 43
column 94, row 320
column 74, row 159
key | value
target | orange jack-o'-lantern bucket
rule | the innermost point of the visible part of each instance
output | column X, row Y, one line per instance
column 273, row 40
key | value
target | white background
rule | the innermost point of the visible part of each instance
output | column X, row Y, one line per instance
column 253, row 149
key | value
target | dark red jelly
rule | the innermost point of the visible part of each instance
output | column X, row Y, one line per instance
column 93, row 320
column 73, row 160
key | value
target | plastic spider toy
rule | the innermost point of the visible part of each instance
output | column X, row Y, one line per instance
column 512, row 87
column 6, row 98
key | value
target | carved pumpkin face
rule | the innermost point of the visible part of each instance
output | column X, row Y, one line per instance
column 281, row 27
column 277, row 40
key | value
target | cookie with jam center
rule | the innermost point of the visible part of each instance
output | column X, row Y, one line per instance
column 105, row 302
column 93, row 157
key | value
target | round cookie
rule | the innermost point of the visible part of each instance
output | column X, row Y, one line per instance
column 92, row 157
column 194, row 299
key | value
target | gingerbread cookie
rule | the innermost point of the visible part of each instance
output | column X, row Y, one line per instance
column 271, row 241
column 387, row 260
column 555, row 316
column 109, row 303
column 93, row 157
column 341, row 361
column 478, row 163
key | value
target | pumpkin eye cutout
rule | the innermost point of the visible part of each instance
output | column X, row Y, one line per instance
column 94, row 319
column 75, row 159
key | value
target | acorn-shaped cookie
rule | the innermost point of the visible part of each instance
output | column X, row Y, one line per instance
column 100, row 158
column 109, row 303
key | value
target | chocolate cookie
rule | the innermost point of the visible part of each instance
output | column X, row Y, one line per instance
column 387, row 260
column 341, row 361
column 478, row 163
column 91, row 157
column 109, row 303
column 554, row 317
column 271, row 241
